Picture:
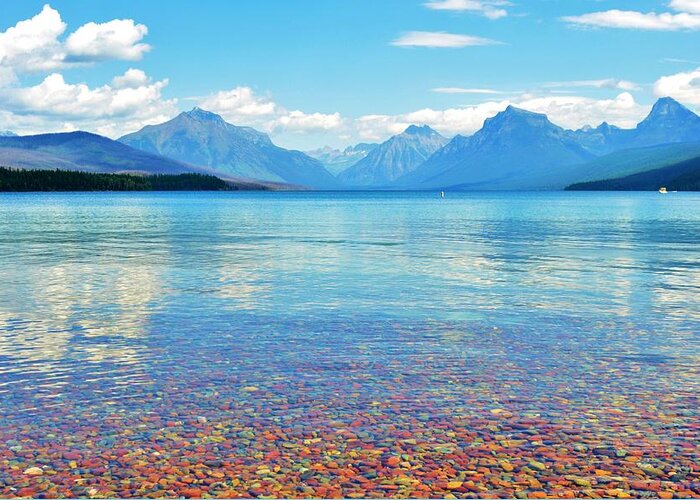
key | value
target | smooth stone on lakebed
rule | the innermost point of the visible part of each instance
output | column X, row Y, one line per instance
column 534, row 464
column 578, row 481
column 607, row 451
column 33, row 471
column 650, row 470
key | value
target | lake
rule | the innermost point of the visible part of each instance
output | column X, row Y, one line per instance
column 350, row 344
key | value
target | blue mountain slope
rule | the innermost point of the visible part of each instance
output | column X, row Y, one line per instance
column 83, row 151
column 669, row 122
column 514, row 150
column 397, row 156
column 203, row 138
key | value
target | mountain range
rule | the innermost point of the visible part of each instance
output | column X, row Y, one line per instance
column 519, row 150
column 336, row 160
column 398, row 156
column 514, row 150
column 203, row 138
column 668, row 122
column 84, row 151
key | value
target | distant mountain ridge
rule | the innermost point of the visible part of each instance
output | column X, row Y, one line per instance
column 518, row 149
column 514, row 150
column 511, row 151
column 336, row 160
column 394, row 158
column 199, row 137
column 668, row 122
column 86, row 152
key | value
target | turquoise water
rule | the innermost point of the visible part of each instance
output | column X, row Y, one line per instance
column 312, row 311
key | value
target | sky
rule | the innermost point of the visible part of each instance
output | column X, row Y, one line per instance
column 313, row 73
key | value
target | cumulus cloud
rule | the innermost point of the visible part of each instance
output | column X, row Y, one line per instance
column 491, row 9
column 300, row 121
column 242, row 106
column 117, row 39
column 238, row 104
column 439, row 40
column 465, row 120
column 607, row 83
column 34, row 45
column 686, row 6
column 629, row 19
column 133, row 78
column 574, row 112
column 131, row 101
column 685, row 87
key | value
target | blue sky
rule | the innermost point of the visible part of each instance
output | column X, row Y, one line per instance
column 338, row 71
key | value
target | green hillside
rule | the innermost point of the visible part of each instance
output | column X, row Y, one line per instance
column 683, row 176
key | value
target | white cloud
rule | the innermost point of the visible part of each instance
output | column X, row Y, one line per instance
column 686, row 6
column 117, row 39
column 607, row 83
column 679, row 61
column 488, row 8
column 439, row 40
column 630, row 19
column 685, row 87
column 130, row 102
column 460, row 90
column 574, row 112
column 34, row 45
column 300, row 121
column 133, row 78
column 241, row 106
column 571, row 112
column 7, row 77
column 466, row 120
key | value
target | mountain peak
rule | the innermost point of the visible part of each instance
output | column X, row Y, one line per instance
column 202, row 138
column 419, row 130
column 362, row 147
column 516, row 117
column 513, row 111
column 394, row 157
column 668, row 106
column 667, row 112
column 202, row 115
column 667, row 103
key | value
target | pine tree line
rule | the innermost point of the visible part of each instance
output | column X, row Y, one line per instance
column 19, row 180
